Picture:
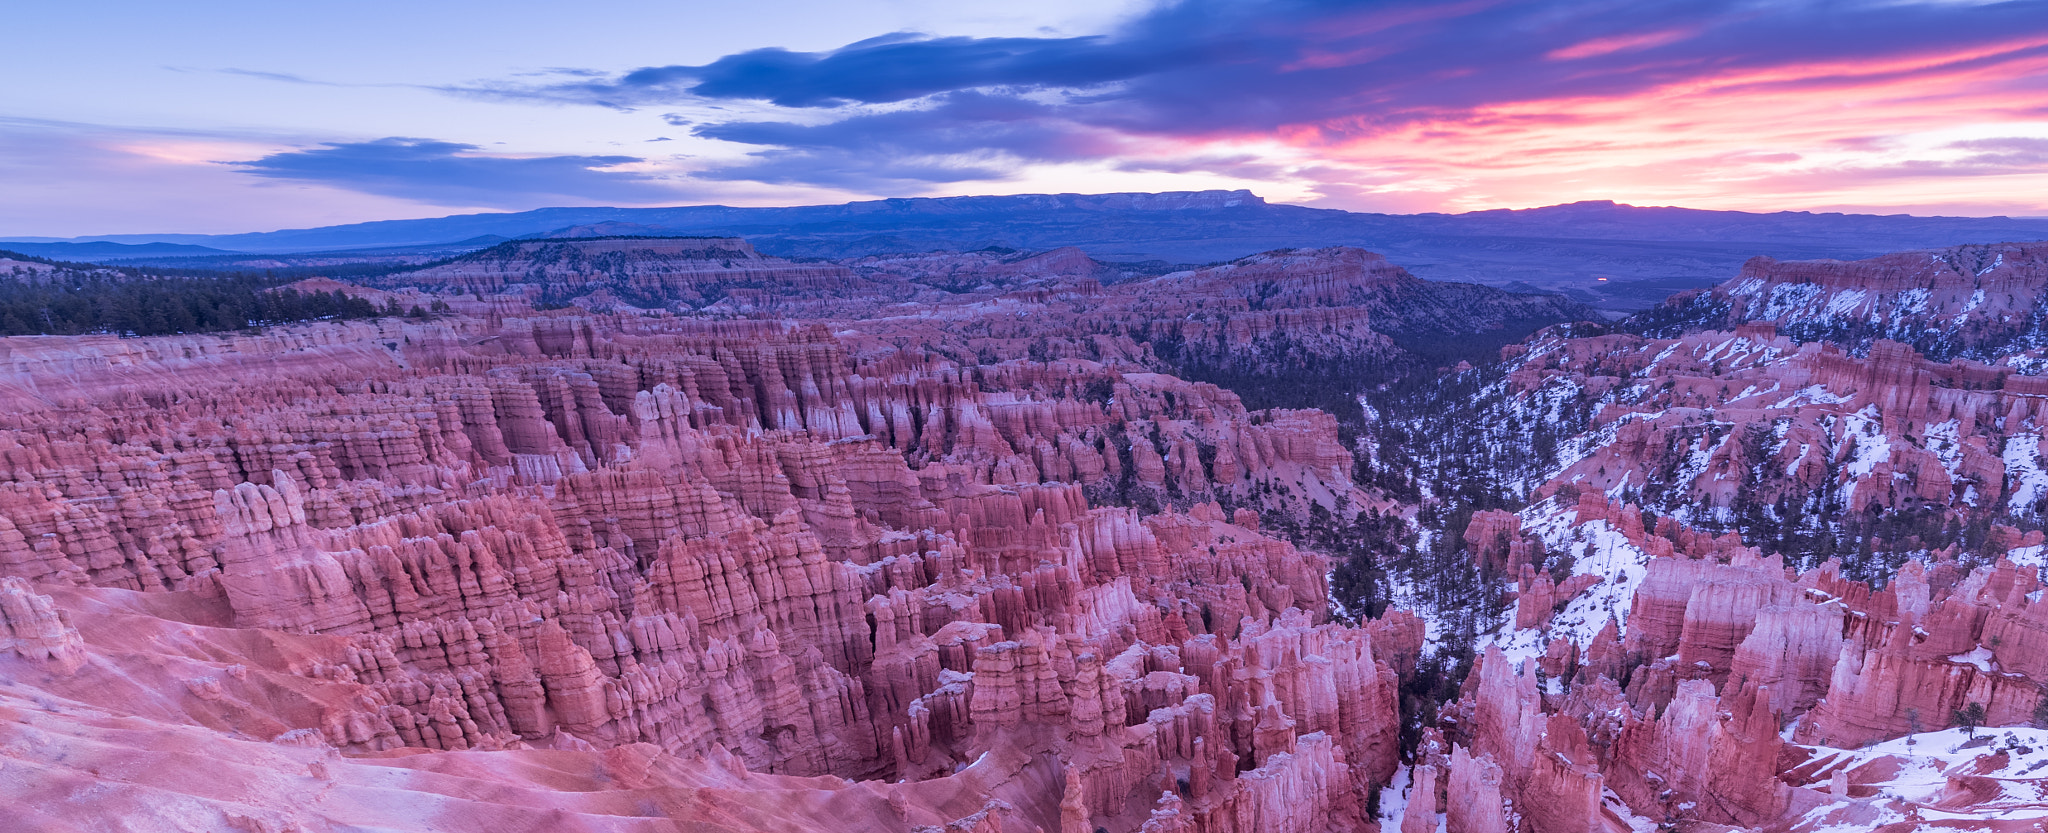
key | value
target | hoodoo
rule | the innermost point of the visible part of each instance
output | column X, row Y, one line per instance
column 1008, row 541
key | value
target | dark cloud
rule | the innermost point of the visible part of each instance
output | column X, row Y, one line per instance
column 881, row 70
column 958, row 137
column 452, row 173
column 1324, row 70
column 1205, row 65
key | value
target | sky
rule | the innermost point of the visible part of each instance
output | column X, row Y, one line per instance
column 222, row 117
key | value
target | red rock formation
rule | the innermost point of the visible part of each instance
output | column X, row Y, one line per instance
column 1978, row 297
column 1476, row 800
column 1710, row 415
column 979, row 568
column 699, row 271
column 682, row 553
column 1725, row 687
column 1420, row 814
column 1730, row 658
column 32, row 627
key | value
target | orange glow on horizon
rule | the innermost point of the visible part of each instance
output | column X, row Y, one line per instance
column 1804, row 136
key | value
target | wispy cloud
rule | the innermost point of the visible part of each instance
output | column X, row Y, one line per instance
column 450, row 172
column 285, row 77
column 289, row 78
column 2026, row 153
column 67, row 178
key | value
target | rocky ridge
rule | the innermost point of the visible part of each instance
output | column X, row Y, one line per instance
column 1980, row 302
column 652, row 272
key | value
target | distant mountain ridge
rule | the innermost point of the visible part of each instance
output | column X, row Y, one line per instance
column 429, row 231
column 1613, row 255
column 106, row 251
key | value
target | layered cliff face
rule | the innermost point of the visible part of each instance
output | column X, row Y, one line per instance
column 1400, row 303
column 1982, row 302
column 999, row 269
column 1281, row 311
column 569, row 570
column 723, row 273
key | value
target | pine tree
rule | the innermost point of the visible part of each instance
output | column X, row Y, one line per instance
column 1969, row 718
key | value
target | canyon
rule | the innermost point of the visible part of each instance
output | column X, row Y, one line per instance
column 660, row 534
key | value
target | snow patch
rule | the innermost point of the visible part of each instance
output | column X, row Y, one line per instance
column 1910, row 302
column 1846, row 302
column 1925, row 761
column 1597, row 549
column 1872, row 447
column 1787, row 300
column 1981, row 657
column 1811, row 394
column 1945, row 440
column 1394, row 798
column 2023, row 470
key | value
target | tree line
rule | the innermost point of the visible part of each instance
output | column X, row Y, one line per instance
column 78, row 300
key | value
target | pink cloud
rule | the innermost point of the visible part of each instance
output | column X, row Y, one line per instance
column 1618, row 43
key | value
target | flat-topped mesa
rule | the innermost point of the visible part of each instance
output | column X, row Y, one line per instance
column 1210, row 200
column 691, row 271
